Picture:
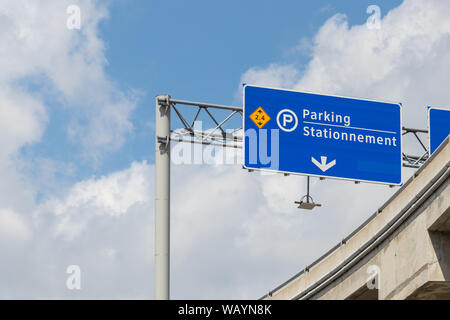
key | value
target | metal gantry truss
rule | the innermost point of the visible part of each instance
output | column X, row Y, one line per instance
column 415, row 161
column 218, row 135
column 233, row 138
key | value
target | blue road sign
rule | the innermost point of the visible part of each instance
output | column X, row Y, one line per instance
column 322, row 135
column 438, row 126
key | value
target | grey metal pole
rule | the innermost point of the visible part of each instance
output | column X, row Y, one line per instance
column 307, row 189
column 162, row 199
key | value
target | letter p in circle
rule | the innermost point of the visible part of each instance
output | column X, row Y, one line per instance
column 287, row 120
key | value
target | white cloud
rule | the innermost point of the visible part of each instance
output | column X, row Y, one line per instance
column 104, row 225
column 22, row 120
column 36, row 45
column 276, row 75
column 238, row 234
column 407, row 60
column 42, row 61
column 112, row 195
column 234, row 234
column 13, row 227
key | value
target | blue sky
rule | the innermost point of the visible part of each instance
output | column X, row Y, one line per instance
column 194, row 50
column 77, row 135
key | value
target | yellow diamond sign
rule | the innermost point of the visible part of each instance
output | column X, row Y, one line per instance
column 260, row 117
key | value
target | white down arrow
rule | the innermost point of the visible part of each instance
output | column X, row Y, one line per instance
column 323, row 165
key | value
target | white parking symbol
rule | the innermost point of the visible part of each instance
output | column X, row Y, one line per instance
column 287, row 120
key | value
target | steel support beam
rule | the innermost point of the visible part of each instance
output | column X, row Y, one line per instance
column 162, row 198
column 206, row 105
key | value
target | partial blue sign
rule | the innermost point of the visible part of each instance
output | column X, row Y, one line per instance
column 321, row 135
column 438, row 126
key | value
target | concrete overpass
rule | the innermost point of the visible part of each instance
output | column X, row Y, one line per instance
column 401, row 252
